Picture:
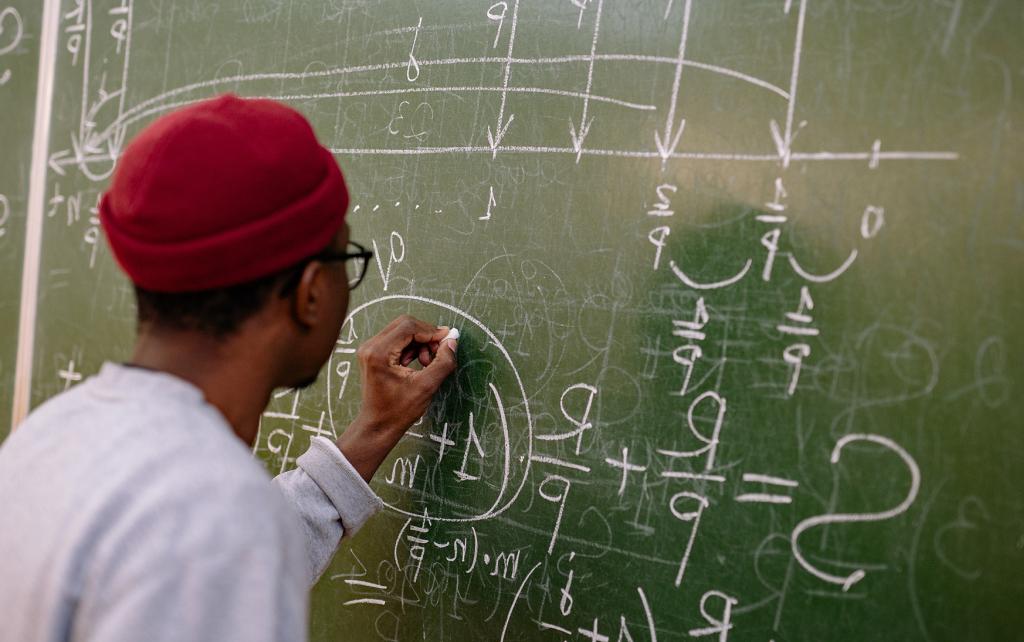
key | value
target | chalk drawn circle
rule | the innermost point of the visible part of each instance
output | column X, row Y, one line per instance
column 500, row 504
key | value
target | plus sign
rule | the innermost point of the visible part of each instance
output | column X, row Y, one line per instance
column 593, row 634
column 319, row 429
column 443, row 440
column 69, row 376
column 626, row 468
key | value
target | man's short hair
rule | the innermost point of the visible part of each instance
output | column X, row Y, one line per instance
column 219, row 312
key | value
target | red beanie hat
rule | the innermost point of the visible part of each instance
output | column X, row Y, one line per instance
column 219, row 193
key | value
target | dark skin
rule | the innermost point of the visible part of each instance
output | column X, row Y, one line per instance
column 285, row 345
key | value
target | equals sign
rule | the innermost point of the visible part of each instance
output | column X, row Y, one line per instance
column 688, row 329
column 767, row 498
column 365, row 600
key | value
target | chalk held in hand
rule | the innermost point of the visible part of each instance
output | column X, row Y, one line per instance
column 453, row 334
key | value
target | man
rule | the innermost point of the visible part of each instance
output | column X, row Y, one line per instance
column 132, row 507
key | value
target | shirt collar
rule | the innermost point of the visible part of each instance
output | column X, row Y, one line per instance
column 116, row 380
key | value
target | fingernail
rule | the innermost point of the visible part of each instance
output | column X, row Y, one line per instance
column 452, row 344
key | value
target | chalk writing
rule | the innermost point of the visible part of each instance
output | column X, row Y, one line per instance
column 631, row 362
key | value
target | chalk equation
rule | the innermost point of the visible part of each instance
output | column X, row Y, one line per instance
column 485, row 440
column 599, row 467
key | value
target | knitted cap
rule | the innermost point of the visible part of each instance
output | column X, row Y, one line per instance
column 219, row 193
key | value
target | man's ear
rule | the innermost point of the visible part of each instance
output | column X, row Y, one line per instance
column 307, row 302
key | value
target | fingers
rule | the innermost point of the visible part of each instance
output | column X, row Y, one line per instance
column 394, row 395
column 407, row 339
column 404, row 340
column 408, row 356
column 406, row 329
column 423, row 352
column 442, row 365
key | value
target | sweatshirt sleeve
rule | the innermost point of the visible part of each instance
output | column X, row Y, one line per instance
column 331, row 499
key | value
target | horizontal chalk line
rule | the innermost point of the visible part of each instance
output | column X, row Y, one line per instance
column 622, row 153
column 764, row 498
column 355, row 69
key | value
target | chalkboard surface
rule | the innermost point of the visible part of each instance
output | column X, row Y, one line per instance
column 739, row 285
column 19, row 59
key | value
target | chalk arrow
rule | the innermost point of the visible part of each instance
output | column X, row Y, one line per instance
column 55, row 161
column 666, row 142
column 667, row 145
column 781, row 142
column 116, row 142
column 578, row 138
column 784, row 142
column 76, row 148
column 92, row 140
column 495, row 140
column 90, row 147
column 113, row 137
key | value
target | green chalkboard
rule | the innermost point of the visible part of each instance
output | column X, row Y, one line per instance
column 19, row 61
column 739, row 284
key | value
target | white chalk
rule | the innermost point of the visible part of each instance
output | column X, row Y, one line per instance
column 453, row 334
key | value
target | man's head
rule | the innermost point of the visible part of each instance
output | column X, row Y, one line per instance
column 228, row 216
column 302, row 306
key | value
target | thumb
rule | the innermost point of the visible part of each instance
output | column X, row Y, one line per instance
column 443, row 365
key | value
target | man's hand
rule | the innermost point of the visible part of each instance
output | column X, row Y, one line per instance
column 394, row 395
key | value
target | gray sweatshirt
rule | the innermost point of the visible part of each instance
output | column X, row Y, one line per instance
column 129, row 510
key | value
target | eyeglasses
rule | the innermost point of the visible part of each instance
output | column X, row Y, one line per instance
column 354, row 252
